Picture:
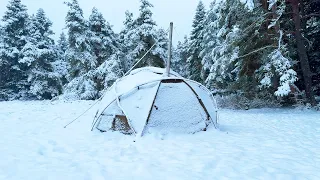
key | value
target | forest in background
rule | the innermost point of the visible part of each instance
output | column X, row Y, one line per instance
column 258, row 55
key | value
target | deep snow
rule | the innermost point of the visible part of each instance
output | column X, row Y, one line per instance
column 254, row 144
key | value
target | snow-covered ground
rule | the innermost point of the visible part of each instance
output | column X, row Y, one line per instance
column 254, row 144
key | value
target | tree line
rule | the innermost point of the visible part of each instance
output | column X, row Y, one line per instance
column 259, row 50
column 83, row 62
column 265, row 50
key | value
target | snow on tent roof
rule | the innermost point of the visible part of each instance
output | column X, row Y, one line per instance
column 141, row 76
column 146, row 100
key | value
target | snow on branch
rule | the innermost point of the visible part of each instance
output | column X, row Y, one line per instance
column 282, row 66
column 279, row 12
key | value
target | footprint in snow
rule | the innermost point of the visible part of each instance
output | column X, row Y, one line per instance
column 52, row 142
column 55, row 147
column 42, row 150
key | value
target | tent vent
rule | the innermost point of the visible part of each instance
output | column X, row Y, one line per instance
column 172, row 81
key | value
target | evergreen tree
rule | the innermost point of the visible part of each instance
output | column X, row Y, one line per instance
column 13, row 77
column 62, row 43
column 103, row 40
column 209, row 38
column 297, row 12
column 160, row 51
column 97, row 61
column 249, row 55
column 61, row 65
column 1, row 35
column 126, row 43
column 128, row 23
column 194, row 65
column 141, row 36
column 296, row 19
column 224, row 33
column 2, row 66
column 311, row 25
column 38, row 55
column 104, row 45
column 1, row 38
column 179, row 57
column 79, row 54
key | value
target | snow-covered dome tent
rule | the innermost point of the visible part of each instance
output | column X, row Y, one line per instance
column 147, row 101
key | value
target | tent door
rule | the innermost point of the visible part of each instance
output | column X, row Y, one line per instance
column 120, row 123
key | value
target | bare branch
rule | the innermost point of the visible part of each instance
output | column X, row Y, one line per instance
column 311, row 15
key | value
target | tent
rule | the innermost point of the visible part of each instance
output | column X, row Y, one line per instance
column 147, row 101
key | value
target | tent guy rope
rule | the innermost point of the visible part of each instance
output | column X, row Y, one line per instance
column 81, row 114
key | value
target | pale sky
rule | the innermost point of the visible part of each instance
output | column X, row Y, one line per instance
column 181, row 12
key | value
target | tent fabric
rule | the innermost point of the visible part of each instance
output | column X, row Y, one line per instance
column 147, row 101
column 168, row 113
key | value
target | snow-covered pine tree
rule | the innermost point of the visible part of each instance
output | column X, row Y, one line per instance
column 225, row 39
column 128, row 24
column 299, row 19
column 180, row 56
column 38, row 55
column 79, row 54
column 311, row 24
column 1, row 34
column 2, row 65
column 108, row 72
column 249, row 56
column 126, row 43
column 99, row 61
column 92, row 84
column 160, row 51
column 103, row 40
column 276, row 67
column 209, row 42
column 222, row 41
column 105, row 47
column 142, row 36
column 194, row 66
column 60, row 65
column 14, row 32
column 62, row 42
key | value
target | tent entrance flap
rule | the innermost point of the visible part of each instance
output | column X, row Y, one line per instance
column 176, row 109
column 120, row 123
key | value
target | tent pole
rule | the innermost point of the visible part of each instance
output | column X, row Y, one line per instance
column 169, row 50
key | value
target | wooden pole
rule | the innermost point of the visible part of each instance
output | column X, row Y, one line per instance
column 169, row 50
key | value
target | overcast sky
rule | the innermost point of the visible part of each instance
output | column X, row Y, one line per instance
column 181, row 12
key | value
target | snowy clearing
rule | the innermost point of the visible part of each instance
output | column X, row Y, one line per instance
column 254, row 144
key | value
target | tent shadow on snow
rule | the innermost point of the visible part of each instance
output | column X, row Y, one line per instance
column 147, row 101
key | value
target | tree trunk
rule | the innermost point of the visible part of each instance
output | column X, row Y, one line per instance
column 264, row 4
column 302, row 52
column 303, row 13
column 274, row 16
